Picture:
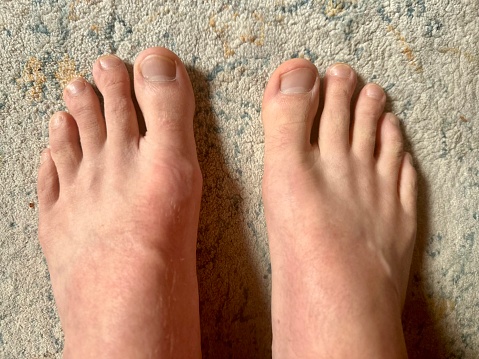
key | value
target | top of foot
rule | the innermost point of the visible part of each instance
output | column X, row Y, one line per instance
column 340, row 214
column 119, row 212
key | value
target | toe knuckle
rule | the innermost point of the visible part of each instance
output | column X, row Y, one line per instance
column 82, row 109
column 114, row 84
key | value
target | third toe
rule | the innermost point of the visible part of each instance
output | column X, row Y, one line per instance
column 368, row 110
column 389, row 147
column 84, row 106
column 65, row 145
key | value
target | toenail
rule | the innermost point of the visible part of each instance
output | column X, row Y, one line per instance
column 375, row 92
column 44, row 157
column 297, row 81
column 158, row 68
column 340, row 70
column 109, row 62
column 56, row 121
column 76, row 87
column 393, row 119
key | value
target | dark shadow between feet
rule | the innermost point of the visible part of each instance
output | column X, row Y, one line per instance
column 234, row 303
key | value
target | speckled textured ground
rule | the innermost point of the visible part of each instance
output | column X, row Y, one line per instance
column 423, row 52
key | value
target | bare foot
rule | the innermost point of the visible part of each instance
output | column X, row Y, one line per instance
column 341, row 216
column 119, row 213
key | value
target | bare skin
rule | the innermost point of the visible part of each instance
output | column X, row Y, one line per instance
column 341, row 216
column 119, row 213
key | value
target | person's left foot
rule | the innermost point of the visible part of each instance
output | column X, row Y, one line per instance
column 119, row 213
column 341, row 216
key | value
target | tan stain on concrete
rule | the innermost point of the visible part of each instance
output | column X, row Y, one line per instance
column 221, row 32
column 34, row 77
column 406, row 49
column 67, row 71
column 259, row 40
column 227, row 29
column 255, row 39
column 73, row 14
column 335, row 7
column 95, row 28
column 453, row 50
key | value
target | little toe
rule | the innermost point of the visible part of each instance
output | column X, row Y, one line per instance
column 65, row 146
column 47, row 184
column 368, row 110
column 389, row 148
column 408, row 185
column 165, row 96
column 339, row 85
column 113, row 81
column 290, row 103
column 84, row 106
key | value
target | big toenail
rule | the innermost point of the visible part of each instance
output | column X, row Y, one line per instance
column 109, row 62
column 76, row 87
column 158, row 68
column 375, row 92
column 340, row 70
column 297, row 81
column 56, row 121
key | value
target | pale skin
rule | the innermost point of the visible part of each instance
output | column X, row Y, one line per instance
column 119, row 214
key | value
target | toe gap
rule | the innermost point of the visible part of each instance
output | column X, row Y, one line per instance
column 139, row 114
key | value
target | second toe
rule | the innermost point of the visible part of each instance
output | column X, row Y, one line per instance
column 339, row 84
column 113, row 81
column 84, row 106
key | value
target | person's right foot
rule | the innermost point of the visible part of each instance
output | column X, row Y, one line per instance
column 119, row 213
column 341, row 216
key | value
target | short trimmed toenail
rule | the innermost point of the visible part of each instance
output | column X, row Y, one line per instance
column 56, row 121
column 340, row 70
column 44, row 157
column 375, row 92
column 297, row 81
column 158, row 68
column 76, row 87
column 109, row 62
column 394, row 120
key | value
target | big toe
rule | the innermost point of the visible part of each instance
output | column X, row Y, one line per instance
column 165, row 96
column 290, row 103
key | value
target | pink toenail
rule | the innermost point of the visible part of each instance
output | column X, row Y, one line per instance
column 374, row 92
column 340, row 70
column 76, row 87
column 394, row 120
column 44, row 157
column 109, row 62
column 297, row 81
column 158, row 68
column 56, row 121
